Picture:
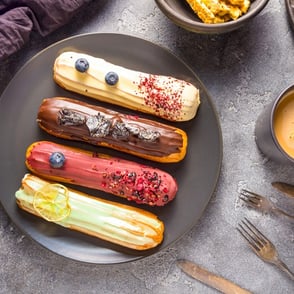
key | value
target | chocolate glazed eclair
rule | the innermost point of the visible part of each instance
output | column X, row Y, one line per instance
column 75, row 120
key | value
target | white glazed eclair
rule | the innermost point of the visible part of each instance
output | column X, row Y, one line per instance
column 114, row 222
column 164, row 96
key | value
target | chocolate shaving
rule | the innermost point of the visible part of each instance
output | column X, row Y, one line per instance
column 120, row 131
column 143, row 134
column 98, row 125
column 148, row 135
column 68, row 117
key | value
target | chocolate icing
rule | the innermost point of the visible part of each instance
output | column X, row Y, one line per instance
column 76, row 120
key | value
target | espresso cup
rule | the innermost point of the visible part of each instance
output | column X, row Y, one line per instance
column 274, row 128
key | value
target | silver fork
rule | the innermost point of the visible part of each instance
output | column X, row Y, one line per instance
column 262, row 247
column 260, row 202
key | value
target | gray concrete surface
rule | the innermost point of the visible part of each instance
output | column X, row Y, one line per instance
column 242, row 70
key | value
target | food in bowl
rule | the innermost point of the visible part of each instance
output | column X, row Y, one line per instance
column 219, row 11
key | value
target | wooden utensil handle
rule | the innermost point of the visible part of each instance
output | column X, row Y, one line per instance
column 220, row 283
column 215, row 281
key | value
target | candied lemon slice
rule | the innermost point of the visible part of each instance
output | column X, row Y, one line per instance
column 51, row 202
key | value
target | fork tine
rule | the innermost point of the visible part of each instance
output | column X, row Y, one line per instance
column 244, row 234
column 259, row 236
column 248, row 237
column 254, row 237
column 252, row 193
column 258, row 233
column 250, row 198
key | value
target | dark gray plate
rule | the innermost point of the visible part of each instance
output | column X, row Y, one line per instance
column 197, row 174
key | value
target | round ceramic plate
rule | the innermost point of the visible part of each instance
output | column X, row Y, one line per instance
column 197, row 174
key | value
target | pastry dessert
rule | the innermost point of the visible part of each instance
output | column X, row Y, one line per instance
column 163, row 96
column 76, row 120
column 127, row 179
column 117, row 223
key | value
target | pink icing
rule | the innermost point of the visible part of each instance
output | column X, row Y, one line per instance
column 131, row 180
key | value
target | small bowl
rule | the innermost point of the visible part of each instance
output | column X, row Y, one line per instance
column 182, row 14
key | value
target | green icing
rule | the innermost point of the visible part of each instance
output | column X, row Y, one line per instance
column 89, row 214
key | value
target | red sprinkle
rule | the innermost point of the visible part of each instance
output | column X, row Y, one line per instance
column 164, row 100
column 145, row 187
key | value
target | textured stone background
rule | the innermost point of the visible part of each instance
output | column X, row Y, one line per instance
column 243, row 71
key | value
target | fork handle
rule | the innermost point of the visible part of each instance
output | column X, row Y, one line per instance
column 282, row 212
column 282, row 266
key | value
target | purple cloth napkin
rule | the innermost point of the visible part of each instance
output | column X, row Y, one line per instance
column 18, row 18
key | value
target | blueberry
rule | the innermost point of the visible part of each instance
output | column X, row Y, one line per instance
column 56, row 160
column 111, row 78
column 82, row 65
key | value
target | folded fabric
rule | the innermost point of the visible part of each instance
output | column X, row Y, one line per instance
column 18, row 18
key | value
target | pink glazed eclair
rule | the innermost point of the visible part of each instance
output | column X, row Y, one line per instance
column 127, row 179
